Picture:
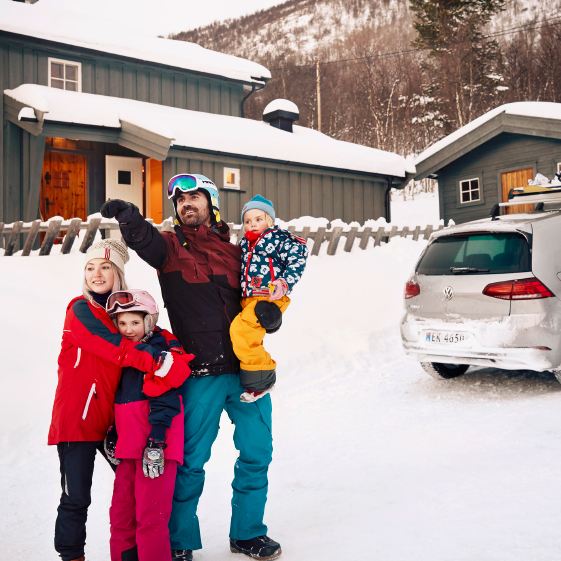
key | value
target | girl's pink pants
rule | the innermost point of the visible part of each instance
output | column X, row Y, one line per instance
column 140, row 511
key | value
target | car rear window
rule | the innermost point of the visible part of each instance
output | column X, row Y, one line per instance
column 485, row 253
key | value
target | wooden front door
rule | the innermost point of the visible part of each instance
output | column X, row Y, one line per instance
column 516, row 178
column 63, row 186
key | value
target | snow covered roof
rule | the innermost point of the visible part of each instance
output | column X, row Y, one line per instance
column 167, row 127
column 520, row 117
column 44, row 21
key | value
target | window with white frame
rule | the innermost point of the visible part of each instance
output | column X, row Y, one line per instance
column 469, row 190
column 231, row 178
column 65, row 74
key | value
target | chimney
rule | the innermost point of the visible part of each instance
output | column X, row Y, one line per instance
column 281, row 113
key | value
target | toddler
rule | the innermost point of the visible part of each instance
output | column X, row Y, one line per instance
column 273, row 261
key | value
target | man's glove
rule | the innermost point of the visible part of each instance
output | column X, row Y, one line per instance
column 117, row 208
column 110, row 444
column 153, row 458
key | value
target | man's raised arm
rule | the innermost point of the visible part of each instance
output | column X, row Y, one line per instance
column 137, row 232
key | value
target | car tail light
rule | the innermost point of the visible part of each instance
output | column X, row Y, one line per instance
column 412, row 289
column 522, row 289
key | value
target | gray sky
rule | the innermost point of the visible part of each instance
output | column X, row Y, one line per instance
column 166, row 16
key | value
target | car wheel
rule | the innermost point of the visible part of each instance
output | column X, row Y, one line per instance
column 442, row 371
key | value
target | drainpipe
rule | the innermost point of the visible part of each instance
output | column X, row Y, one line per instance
column 254, row 88
column 387, row 200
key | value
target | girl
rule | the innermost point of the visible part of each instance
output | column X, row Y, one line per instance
column 150, row 437
column 89, row 368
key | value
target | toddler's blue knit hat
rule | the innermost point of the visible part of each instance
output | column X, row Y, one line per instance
column 261, row 203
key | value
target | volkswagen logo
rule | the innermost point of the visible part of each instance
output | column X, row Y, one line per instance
column 448, row 293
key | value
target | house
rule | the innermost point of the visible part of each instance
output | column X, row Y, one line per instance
column 478, row 164
column 90, row 113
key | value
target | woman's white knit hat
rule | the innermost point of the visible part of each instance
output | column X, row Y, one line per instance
column 110, row 250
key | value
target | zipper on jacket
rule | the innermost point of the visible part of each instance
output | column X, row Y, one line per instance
column 87, row 406
column 78, row 356
column 246, row 276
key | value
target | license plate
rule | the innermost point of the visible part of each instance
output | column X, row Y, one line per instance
column 452, row 338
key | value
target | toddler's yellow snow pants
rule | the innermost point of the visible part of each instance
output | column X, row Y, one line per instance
column 247, row 335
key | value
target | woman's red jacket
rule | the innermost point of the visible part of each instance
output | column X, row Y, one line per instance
column 89, row 368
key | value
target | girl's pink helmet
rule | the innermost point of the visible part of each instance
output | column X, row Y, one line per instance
column 134, row 300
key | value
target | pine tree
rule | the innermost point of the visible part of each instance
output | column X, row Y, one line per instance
column 462, row 69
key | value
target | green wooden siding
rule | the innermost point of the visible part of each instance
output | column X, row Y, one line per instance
column 26, row 61
column 503, row 153
column 295, row 190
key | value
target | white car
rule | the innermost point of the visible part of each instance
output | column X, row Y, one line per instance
column 487, row 293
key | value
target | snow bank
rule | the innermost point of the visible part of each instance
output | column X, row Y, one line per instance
column 373, row 459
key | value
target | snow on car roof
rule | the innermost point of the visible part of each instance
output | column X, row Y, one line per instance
column 506, row 223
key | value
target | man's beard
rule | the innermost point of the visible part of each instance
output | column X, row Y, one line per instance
column 196, row 219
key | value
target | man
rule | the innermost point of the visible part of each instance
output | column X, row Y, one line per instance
column 199, row 274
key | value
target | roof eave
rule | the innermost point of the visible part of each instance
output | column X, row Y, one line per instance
column 501, row 123
column 380, row 174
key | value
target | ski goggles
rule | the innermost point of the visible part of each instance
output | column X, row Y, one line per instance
column 120, row 299
column 184, row 183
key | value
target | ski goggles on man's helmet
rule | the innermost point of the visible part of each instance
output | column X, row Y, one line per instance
column 189, row 182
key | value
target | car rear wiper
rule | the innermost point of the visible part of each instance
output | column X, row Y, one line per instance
column 465, row 270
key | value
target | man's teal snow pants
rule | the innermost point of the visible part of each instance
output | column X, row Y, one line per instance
column 204, row 400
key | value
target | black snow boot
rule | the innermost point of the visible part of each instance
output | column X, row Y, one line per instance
column 262, row 547
column 182, row 555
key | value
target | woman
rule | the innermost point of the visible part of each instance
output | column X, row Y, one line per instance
column 89, row 368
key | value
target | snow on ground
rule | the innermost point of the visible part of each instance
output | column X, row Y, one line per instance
column 420, row 210
column 373, row 459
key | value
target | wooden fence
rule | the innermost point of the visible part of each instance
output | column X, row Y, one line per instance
column 43, row 235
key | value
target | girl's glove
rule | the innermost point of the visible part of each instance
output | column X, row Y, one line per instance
column 153, row 459
column 110, row 444
column 278, row 288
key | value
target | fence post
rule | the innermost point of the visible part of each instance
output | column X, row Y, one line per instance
column 71, row 233
column 379, row 233
column 11, row 243
column 89, row 236
column 428, row 232
column 416, row 233
column 405, row 232
column 52, row 233
column 318, row 240
column 33, row 231
column 334, row 242
column 351, row 235
column 393, row 233
column 364, row 237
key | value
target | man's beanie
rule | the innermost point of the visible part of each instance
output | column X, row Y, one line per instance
column 111, row 250
column 261, row 203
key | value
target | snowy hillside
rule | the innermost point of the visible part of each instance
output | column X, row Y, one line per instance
column 305, row 27
column 373, row 459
